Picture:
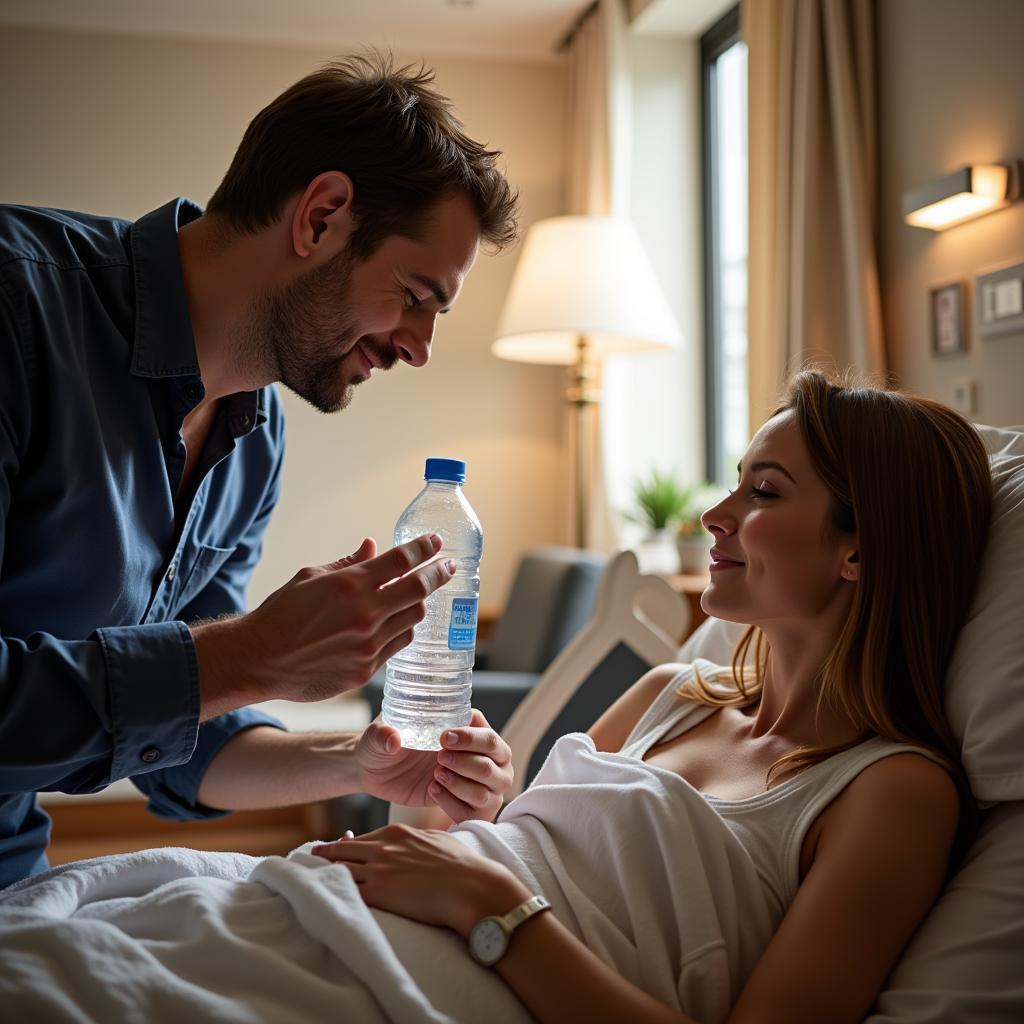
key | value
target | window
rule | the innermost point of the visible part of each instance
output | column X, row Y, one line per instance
column 724, row 83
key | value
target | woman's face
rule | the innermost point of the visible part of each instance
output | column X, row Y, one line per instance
column 776, row 556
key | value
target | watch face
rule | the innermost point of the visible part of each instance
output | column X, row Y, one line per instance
column 488, row 941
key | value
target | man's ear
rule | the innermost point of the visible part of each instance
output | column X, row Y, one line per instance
column 851, row 566
column 322, row 218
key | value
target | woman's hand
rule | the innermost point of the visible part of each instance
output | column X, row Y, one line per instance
column 427, row 876
column 466, row 778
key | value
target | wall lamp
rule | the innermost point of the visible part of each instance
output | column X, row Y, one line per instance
column 967, row 193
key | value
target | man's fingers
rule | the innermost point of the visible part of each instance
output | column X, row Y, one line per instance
column 402, row 559
column 391, row 648
column 416, row 587
column 363, row 553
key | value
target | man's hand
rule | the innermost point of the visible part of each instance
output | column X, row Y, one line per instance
column 325, row 631
column 466, row 778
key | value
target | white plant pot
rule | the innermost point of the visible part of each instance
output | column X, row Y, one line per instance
column 694, row 553
column 656, row 553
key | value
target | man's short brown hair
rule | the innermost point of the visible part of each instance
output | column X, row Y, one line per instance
column 393, row 134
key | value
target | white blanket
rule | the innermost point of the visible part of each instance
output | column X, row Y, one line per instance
column 635, row 863
column 177, row 935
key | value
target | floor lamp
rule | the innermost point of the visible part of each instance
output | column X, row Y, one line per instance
column 583, row 288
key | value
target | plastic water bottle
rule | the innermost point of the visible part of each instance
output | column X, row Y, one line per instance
column 428, row 685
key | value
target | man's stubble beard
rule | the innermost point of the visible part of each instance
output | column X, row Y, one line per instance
column 300, row 333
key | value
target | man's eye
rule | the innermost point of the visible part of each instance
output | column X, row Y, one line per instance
column 411, row 302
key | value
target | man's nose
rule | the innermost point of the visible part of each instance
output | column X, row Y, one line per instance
column 413, row 339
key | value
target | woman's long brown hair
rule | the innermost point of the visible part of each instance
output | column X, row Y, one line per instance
column 910, row 477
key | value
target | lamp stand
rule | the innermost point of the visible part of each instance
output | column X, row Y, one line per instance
column 583, row 393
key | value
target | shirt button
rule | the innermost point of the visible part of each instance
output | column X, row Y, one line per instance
column 245, row 420
column 172, row 572
column 150, row 754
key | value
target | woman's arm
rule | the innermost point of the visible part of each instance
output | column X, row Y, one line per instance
column 879, row 865
column 610, row 731
column 434, row 878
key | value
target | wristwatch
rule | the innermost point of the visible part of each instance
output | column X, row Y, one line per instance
column 489, row 939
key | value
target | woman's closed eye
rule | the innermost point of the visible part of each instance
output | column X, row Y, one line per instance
column 760, row 493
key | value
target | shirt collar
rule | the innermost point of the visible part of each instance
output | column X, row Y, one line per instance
column 164, row 343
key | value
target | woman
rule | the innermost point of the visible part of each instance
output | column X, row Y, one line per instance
column 850, row 547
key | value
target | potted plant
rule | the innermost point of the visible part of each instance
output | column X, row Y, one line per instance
column 660, row 501
column 693, row 542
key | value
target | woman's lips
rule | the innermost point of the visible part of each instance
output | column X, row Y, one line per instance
column 720, row 560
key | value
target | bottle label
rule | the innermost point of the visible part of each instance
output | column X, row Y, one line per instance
column 462, row 631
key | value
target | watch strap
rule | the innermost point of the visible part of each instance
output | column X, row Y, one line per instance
column 515, row 917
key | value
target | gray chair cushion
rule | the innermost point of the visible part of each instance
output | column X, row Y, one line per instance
column 551, row 600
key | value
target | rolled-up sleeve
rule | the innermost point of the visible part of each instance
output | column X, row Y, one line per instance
column 154, row 724
column 173, row 791
column 79, row 714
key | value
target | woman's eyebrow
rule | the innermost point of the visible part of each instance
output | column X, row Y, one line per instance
column 758, row 466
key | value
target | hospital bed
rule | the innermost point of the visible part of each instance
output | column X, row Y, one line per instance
column 966, row 962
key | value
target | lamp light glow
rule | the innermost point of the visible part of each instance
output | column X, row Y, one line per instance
column 967, row 193
column 583, row 275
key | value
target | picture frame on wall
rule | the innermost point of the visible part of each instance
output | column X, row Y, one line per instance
column 948, row 319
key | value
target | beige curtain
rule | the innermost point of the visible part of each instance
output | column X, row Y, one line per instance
column 813, row 270
column 597, row 161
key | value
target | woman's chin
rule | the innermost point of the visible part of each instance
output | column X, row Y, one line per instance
column 714, row 605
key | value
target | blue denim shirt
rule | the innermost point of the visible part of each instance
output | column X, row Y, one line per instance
column 98, row 675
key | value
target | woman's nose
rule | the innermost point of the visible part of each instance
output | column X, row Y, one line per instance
column 718, row 519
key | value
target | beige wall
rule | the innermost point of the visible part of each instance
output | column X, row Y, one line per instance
column 951, row 82
column 118, row 125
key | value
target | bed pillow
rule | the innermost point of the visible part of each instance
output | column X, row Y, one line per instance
column 985, row 683
column 964, row 962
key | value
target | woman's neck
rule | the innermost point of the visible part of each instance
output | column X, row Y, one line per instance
column 789, row 704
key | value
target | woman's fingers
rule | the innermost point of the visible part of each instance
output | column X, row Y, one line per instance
column 470, row 792
column 474, row 767
column 455, row 808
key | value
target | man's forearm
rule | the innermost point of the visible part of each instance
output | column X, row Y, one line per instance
column 225, row 667
column 267, row 767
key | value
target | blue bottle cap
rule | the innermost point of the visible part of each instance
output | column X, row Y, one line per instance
column 445, row 469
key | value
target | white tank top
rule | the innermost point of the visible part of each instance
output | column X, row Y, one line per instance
column 770, row 826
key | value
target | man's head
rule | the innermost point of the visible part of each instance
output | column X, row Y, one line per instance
column 395, row 137
column 386, row 199
column 326, row 330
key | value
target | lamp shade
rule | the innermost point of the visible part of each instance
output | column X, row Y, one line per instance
column 583, row 275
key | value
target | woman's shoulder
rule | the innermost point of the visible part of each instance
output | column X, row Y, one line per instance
column 610, row 731
column 893, row 793
column 907, row 776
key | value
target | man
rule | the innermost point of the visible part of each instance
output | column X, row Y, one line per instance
column 140, row 459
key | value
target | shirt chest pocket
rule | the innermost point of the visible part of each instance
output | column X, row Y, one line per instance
column 208, row 560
